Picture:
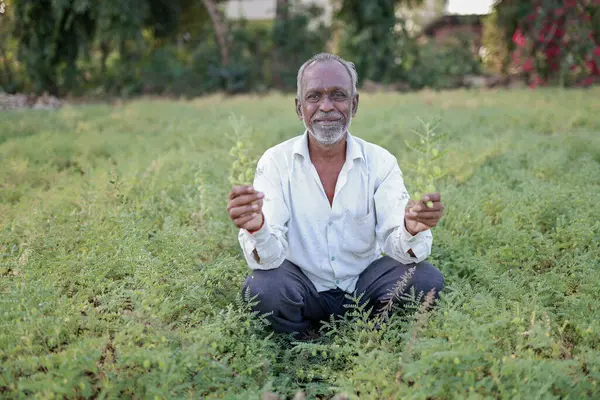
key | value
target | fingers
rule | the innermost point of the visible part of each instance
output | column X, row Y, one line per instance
column 427, row 221
column 240, row 190
column 434, row 197
column 241, row 221
column 420, row 207
column 245, row 199
column 418, row 211
column 424, row 215
column 237, row 212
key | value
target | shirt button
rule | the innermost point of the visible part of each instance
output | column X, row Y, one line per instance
column 333, row 258
column 330, row 223
column 337, row 281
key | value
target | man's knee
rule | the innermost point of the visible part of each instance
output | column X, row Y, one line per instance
column 427, row 278
column 258, row 287
column 273, row 289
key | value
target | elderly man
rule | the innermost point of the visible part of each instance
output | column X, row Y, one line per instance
column 323, row 207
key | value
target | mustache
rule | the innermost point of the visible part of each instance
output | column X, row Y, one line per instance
column 324, row 115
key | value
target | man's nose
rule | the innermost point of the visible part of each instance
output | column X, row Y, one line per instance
column 326, row 104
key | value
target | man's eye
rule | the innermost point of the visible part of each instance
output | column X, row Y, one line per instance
column 312, row 97
column 338, row 96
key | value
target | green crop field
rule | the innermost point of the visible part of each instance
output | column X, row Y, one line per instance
column 120, row 273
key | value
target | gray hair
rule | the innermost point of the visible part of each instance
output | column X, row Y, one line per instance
column 321, row 57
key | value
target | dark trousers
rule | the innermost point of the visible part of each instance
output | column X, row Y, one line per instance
column 296, row 306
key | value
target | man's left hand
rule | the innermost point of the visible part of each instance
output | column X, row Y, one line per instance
column 418, row 217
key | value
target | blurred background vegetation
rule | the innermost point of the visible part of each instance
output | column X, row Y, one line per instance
column 195, row 47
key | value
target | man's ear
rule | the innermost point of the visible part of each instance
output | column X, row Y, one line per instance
column 354, row 105
column 299, row 109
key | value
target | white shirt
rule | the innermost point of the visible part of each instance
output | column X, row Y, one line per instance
column 333, row 244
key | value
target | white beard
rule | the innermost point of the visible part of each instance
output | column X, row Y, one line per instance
column 330, row 134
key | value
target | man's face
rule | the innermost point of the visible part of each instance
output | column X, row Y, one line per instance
column 327, row 105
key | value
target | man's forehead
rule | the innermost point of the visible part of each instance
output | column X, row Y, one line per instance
column 326, row 74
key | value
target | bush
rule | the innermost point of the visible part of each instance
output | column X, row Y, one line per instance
column 197, row 70
column 553, row 42
column 496, row 55
column 442, row 65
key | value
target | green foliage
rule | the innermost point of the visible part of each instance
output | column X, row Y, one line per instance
column 375, row 39
column 493, row 40
column 121, row 273
column 11, row 76
column 550, row 41
column 56, row 36
column 442, row 65
column 251, row 68
column 241, row 171
column 297, row 38
column 51, row 35
column 427, row 171
column 149, row 46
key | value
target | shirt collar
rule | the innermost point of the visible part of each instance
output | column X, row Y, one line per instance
column 353, row 150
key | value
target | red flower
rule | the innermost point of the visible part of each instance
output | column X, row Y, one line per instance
column 552, row 51
column 593, row 67
column 588, row 81
column 537, row 81
column 590, row 65
column 519, row 39
column 528, row 66
column 560, row 12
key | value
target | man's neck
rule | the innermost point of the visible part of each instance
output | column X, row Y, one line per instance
column 327, row 153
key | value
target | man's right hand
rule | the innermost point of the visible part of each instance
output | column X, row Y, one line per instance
column 245, row 207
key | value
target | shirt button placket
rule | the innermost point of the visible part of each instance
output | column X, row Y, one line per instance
column 332, row 258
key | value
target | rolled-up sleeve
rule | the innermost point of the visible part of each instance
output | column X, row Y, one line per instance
column 270, row 242
column 391, row 198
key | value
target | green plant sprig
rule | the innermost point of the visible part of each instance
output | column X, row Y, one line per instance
column 243, row 165
column 427, row 170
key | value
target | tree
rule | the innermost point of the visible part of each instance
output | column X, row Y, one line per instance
column 8, row 81
column 418, row 16
column 281, row 19
column 51, row 35
column 374, row 36
column 221, row 28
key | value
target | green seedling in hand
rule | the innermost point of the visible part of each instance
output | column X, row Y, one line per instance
column 427, row 170
column 241, row 171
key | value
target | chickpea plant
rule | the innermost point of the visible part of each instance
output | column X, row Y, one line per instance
column 427, row 170
column 243, row 165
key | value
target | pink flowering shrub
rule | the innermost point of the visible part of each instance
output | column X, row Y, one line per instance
column 554, row 41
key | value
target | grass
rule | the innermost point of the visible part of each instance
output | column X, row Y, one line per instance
column 120, row 273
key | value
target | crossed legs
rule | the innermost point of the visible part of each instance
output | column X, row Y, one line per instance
column 296, row 306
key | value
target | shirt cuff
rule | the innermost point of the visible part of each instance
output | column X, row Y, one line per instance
column 260, row 236
column 416, row 243
column 405, row 236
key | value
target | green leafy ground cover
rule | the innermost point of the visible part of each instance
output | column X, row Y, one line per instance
column 120, row 273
